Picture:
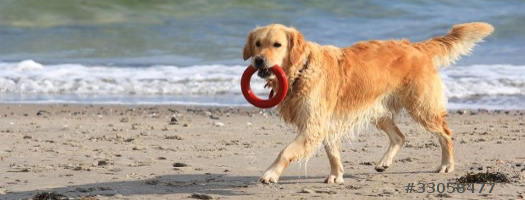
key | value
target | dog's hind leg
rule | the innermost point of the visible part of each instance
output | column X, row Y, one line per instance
column 334, row 156
column 439, row 127
column 447, row 153
column 300, row 148
column 428, row 108
column 397, row 139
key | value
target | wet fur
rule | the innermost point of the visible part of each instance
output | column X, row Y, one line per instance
column 343, row 89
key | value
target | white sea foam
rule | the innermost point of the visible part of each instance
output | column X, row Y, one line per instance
column 29, row 77
column 484, row 80
column 209, row 83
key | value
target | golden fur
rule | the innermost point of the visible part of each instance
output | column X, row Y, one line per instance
column 335, row 91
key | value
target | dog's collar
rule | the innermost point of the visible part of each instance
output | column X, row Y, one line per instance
column 305, row 66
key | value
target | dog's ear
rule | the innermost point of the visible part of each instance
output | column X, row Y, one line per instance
column 297, row 45
column 248, row 47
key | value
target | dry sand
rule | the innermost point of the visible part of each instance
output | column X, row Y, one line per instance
column 129, row 152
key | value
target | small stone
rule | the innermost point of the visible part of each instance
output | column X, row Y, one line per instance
column 353, row 187
column 78, row 168
column 83, row 190
column 27, row 137
column 461, row 112
column 326, row 191
column 218, row 124
column 308, row 191
column 366, row 163
column 102, row 163
column 443, row 195
column 171, row 137
column 104, row 188
column 41, row 112
column 179, row 164
column 388, row 191
column 161, row 158
column 20, row 170
column 136, row 148
column 173, row 120
column 152, row 181
column 214, row 117
column 124, row 120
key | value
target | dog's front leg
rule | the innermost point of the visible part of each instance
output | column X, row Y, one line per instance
column 300, row 148
column 334, row 156
column 272, row 82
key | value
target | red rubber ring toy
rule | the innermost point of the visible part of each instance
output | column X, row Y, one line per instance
column 273, row 99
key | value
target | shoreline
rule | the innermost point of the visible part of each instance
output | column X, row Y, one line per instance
column 244, row 106
column 141, row 152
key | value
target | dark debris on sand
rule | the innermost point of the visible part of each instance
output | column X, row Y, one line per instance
column 200, row 196
column 49, row 196
column 484, row 177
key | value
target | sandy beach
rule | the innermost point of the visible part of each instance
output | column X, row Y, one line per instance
column 182, row 152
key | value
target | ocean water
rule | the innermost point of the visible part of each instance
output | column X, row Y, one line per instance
column 189, row 52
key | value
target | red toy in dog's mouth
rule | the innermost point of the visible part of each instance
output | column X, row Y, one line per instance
column 273, row 99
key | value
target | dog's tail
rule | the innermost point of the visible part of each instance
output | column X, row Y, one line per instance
column 447, row 49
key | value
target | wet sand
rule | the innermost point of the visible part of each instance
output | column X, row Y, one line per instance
column 181, row 152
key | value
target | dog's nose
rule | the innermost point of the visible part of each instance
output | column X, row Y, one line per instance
column 258, row 62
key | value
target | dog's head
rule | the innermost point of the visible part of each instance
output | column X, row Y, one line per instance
column 271, row 45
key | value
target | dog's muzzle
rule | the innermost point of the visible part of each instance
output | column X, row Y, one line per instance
column 259, row 63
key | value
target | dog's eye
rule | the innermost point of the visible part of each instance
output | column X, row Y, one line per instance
column 277, row 45
column 258, row 43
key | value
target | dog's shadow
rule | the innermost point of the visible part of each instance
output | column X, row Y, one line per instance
column 211, row 184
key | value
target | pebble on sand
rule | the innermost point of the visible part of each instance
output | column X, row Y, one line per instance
column 218, row 124
column 102, row 162
column 179, row 164
column 174, row 121
column 308, row 191
column 172, row 137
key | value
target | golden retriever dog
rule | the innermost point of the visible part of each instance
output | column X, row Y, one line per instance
column 334, row 91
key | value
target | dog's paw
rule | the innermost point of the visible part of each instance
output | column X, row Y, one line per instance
column 381, row 168
column 334, row 179
column 383, row 165
column 271, row 82
column 269, row 177
column 445, row 169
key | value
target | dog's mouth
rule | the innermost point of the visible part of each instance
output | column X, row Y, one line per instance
column 264, row 73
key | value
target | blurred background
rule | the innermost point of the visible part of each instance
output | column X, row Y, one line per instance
column 189, row 52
